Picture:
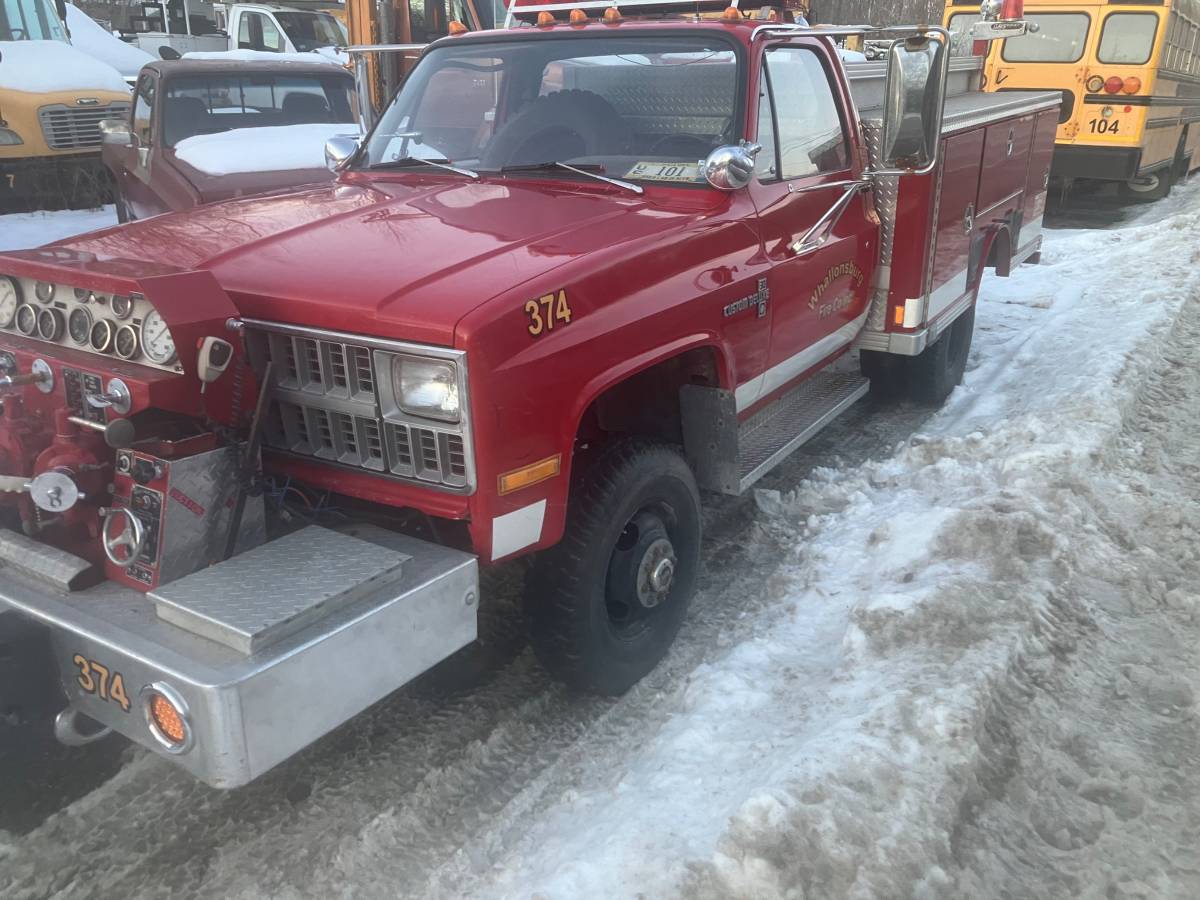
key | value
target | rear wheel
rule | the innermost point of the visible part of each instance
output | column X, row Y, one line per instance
column 1149, row 188
column 939, row 368
column 605, row 603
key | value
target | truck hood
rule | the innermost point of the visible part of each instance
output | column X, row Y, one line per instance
column 404, row 259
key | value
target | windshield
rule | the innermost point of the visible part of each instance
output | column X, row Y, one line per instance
column 641, row 108
column 207, row 104
column 1059, row 39
column 311, row 31
column 30, row 20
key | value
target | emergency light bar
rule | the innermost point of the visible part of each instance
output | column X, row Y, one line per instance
column 518, row 10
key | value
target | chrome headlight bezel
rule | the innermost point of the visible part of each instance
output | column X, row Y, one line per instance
column 426, row 388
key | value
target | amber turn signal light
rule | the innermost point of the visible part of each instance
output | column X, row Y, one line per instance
column 1114, row 84
column 530, row 474
column 167, row 717
column 1095, row 84
column 1132, row 84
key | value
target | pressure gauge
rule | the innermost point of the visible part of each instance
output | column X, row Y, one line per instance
column 126, row 342
column 10, row 299
column 157, row 342
column 82, row 294
column 102, row 335
column 44, row 291
column 27, row 320
column 79, row 325
column 50, row 324
column 122, row 307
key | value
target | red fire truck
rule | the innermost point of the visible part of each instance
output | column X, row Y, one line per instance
column 583, row 269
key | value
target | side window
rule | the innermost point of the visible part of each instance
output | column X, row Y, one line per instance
column 809, row 136
column 245, row 42
column 272, row 37
column 764, row 163
column 142, row 109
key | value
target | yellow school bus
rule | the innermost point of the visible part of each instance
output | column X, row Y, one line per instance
column 1130, row 78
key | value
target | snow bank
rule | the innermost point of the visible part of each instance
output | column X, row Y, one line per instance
column 93, row 40
column 274, row 149
column 20, row 231
column 324, row 55
column 41, row 66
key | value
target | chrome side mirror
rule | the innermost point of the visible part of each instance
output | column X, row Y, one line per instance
column 731, row 167
column 115, row 131
column 339, row 150
column 913, row 93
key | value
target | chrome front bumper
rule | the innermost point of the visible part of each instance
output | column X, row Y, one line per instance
column 247, row 713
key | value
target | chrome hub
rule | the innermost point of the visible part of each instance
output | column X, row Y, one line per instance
column 655, row 574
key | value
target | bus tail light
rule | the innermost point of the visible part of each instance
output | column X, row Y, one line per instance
column 1095, row 84
column 1114, row 85
column 1132, row 84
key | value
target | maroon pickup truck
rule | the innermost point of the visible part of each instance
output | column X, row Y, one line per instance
column 196, row 131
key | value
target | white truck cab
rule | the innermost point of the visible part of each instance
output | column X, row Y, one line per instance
column 278, row 29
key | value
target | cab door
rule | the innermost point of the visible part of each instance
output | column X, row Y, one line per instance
column 131, row 162
column 818, row 282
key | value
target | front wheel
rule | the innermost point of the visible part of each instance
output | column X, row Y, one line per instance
column 605, row 603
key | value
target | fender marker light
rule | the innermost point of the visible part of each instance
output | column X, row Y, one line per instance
column 530, row 474
column 167, row 717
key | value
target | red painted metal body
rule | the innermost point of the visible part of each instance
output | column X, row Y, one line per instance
column 433, row 258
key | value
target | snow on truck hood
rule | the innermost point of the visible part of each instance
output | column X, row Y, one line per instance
column 276, row 148
column 405, row 260
column 39, row 67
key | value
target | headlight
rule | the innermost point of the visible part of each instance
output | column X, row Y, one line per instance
column 426, row 387
column 9, row 138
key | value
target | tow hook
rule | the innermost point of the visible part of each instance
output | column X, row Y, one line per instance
column 67, row 728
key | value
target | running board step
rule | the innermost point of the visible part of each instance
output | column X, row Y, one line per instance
column 769, row 436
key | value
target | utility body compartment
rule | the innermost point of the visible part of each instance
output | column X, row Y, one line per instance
column 982, row 205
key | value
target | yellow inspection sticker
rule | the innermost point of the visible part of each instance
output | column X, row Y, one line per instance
column 665, row 171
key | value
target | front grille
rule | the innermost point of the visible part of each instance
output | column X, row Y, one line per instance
column 76, row 127
column 325, row 405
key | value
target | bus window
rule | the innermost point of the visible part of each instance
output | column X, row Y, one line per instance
column 1127, row 38
column 1059, row 39
column 961, row 42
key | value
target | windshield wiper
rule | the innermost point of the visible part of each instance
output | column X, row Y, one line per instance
column 405, row 161
column 590, row 171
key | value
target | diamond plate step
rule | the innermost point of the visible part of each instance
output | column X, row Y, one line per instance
column 277, row 589
column 767, row 437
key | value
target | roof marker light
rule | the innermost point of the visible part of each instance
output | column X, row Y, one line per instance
column 731, row 14
column 456, row 28
column 578, row 17
column 612, row 15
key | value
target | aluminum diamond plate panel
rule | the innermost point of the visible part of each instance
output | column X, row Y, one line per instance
column 275, row 590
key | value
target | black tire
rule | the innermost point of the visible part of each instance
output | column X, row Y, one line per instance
column 939, row 368
column 1155, row 186
column 586, row 623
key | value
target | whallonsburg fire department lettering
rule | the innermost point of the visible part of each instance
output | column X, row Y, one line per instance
column 846, row 269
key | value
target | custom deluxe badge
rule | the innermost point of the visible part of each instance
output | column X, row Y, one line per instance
column 757, row 300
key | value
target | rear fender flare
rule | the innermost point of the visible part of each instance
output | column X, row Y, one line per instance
column 998, row 239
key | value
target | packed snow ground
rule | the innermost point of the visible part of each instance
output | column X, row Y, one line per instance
column 958, row 664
